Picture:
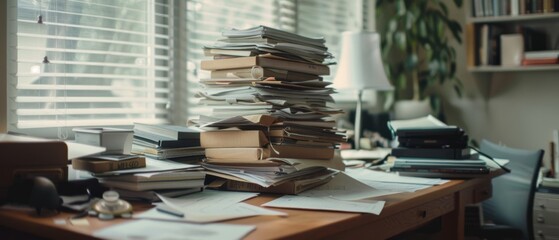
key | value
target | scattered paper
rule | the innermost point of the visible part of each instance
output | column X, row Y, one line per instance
column 367, row 174
column 344, row 187
column 209, row 206
column 392, row 188
column 59, row 221
column 325, row 203
column 79, row 222
column 151, row 229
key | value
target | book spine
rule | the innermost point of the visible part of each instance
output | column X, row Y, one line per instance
column 107, row 166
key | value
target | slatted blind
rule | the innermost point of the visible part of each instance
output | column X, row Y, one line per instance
column 111, row 61
column 89, row 63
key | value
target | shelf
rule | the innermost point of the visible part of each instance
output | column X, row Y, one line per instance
column 525, row 17
column 490, row 69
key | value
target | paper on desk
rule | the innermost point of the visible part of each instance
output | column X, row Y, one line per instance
column 367, row 174
column 233, row 211
column 344, row 187
column 210, row 206
column 326, row 203
column 364, row 154
column 392, row 188
column 151, row 229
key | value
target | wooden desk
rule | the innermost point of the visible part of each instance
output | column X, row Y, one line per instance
column 403, row 212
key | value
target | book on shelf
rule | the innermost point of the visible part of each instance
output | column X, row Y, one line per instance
column 541, row 54
column 174, row 132
column 495, row 8
column 542, row 61
column 97, row 165
column 266, row 62
column 144, row 186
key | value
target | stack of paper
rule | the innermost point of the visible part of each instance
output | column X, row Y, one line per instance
column 271, row 119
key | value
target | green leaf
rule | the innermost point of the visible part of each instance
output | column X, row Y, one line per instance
column 458, row 91
column 411, row 62
column 458, row 3
column 400, row 7
column 443, row 8
column 401, row 40
column 402, row 81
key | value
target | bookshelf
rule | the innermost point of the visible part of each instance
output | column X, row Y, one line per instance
column 531, row 21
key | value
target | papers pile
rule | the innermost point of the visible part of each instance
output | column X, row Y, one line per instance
column 271, row 115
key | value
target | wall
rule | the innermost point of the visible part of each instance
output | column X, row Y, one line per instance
column 516, row 109
column 3, row 67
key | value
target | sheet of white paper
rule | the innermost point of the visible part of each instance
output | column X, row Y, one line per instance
column 211, row 206
column 364, row 154
column 344, row 187
column 367, row 174
column 392, row 188
column 76, row 150
column 326, row 203
column 237, row 210
column 150, row 229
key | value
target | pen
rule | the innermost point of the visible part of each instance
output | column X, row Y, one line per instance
column 166, row 209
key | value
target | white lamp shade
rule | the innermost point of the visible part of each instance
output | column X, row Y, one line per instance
column 360, row 66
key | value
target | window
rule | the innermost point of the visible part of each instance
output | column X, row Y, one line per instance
column 115, row 62
column 84, row 63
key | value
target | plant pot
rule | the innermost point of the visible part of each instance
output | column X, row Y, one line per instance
column 408, row 109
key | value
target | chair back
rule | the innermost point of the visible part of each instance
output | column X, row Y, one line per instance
column 513, row 193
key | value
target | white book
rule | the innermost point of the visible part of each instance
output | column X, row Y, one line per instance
column 514, row 7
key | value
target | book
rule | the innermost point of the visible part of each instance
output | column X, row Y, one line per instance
column 174, row 132
column 151, row 195
column 258, row 72
column 149, row 141
column 99, row 166
column 160, row 176
column 250, row 154
column 167, row 153
column 143, row 186
column 442, row 172
column 433, row 142
column 438, row 153
column 548, row 54
column 266, row 62
column 233, row 138
column 541, row 61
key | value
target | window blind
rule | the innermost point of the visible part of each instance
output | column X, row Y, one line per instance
column 89, row 63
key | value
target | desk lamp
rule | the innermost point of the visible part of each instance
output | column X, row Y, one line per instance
column 360, row 68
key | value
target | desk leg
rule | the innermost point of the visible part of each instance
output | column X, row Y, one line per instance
column 453, row 222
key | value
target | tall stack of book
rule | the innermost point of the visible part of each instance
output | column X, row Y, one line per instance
column 171, row 142
column 271, row 119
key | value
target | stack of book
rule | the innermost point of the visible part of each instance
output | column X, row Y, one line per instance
column 146, row 186
column 108, row 163
column 271, row 119
column 437, row 150
column 171, row 142
column 541, row 57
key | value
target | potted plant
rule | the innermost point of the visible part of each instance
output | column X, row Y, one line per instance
column 417, row 48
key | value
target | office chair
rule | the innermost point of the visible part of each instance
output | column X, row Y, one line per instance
column 510, row 207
